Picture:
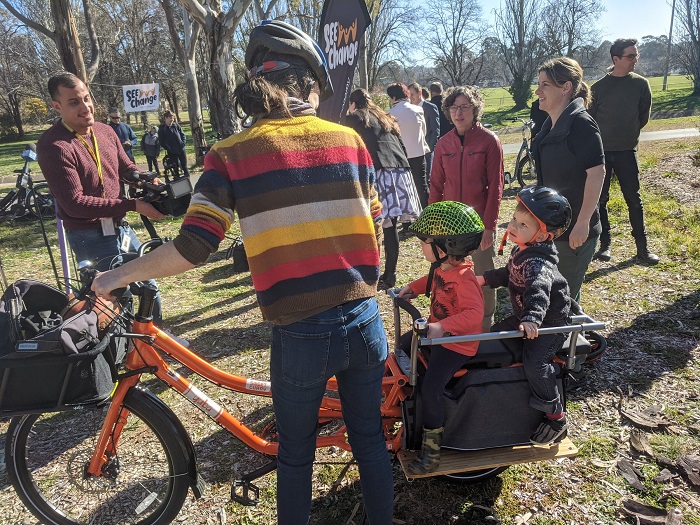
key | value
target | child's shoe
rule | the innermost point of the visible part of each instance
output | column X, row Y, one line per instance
column 429, row 458
column 550, row 431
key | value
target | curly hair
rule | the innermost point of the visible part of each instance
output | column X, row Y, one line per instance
column 473, row 96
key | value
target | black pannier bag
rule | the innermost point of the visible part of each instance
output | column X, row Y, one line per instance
column 55, row 353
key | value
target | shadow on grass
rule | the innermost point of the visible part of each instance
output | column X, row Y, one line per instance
column 656, row 343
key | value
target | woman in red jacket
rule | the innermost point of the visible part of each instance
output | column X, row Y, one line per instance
column 468, row 168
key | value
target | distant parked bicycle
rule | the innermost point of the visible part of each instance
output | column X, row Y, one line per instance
column 524, row 163
column 27, row 197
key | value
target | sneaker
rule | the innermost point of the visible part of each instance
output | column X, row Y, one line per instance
column 550, row 431
column 182, row 341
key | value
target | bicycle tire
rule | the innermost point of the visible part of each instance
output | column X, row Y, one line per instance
column 40, row 202
column 46, row 456
column 474, row 476
column 525, row 172
column 598, row 346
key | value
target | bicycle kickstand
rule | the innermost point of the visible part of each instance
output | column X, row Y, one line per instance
column 247, row 487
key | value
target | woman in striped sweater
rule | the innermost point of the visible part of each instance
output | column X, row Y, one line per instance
column 303, row 189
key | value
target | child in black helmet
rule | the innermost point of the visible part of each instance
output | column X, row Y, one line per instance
column 540, row 297
column 449, row 231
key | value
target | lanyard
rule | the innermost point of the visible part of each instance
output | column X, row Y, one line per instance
column 94, row 152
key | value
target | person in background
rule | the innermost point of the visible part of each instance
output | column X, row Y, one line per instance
column 84, row 164
column 150, row 145
column 172, row 140
column 621, row 106
column 568, row 154
column 537, row 116
column 436, row 99
column 303, row 190
column 432, row 123
column 468, row 167
column 126, row 135
column 413, row 129
column 448, row 231
column 540, row 299
column 397, row 192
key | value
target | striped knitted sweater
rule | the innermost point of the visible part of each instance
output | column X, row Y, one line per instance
column 303, row 189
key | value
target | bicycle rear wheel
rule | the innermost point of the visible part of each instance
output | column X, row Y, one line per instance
column 146, row 484
column 40, row 202
column 525, row 171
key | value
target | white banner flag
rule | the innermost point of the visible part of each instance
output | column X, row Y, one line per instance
column 141, row 97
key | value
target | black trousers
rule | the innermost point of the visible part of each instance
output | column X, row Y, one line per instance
column 417, row 165
column 625, row 166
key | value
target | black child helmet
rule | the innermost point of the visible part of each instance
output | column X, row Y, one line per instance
column 276, row 37
column 551, row 209
column 454, row 227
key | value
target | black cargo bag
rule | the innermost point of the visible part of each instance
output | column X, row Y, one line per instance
column 489, row 407
column 49, row 363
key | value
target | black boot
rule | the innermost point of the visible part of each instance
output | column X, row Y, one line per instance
column 643, row 253
column 604, row 253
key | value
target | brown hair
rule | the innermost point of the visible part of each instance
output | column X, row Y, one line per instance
column 364, row 107
column 259, row 96
column 65, row 79
column 398, row 91
column 564, row 69
column 472, row 94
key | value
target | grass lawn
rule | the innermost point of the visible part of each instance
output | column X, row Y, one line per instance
column 652, row 328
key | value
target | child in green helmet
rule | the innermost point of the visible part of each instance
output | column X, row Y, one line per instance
column 449, row 231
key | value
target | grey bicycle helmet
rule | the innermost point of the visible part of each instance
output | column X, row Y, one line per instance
column 551, row 209
column 276, row 37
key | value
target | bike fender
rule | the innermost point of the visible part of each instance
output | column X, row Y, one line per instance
column 150, row 401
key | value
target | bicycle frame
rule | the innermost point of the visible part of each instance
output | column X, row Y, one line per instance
column 145, row 357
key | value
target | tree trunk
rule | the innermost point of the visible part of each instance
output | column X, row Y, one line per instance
column 16, row 114
column 66, row 38
column 223, row 83
column 362, row 63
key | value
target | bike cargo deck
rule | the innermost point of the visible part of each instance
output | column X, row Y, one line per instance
column 455, row 461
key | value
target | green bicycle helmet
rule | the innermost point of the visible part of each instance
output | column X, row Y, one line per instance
column 273, row 38
column 453, row 226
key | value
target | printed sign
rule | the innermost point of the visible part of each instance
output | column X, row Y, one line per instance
column 141, row 97
column 343, row 23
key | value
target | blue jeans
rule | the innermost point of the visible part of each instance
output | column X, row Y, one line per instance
column 104, row 251
column 346, row 341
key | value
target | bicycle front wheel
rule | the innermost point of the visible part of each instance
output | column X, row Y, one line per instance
column 40, row 202
column 47, row 454
column 525, row 171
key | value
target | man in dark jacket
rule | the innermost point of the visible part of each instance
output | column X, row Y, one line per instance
column 172, row 140
column 126, row 135
column 436, row 92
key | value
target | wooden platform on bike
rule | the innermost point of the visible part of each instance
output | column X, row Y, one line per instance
column 454, row 461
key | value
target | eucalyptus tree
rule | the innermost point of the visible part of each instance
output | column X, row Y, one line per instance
column 570, row 25
column 453, row 37
column 63, row 31
column 688, row 31
column 517, row 26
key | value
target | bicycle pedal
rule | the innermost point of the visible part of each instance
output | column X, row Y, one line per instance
column 246, row 488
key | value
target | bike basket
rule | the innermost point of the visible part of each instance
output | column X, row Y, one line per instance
column 54, row 356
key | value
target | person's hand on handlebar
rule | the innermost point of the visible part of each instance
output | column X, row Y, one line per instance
column 406, row 293
column 148, row 210
column 105, row 283
column 529, row 329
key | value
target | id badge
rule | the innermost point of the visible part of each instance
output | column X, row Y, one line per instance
column 108, row 226
column 126, row 243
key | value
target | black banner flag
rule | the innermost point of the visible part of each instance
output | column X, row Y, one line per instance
column 343, row 22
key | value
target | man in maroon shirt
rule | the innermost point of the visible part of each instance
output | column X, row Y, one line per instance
column 83, row 162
